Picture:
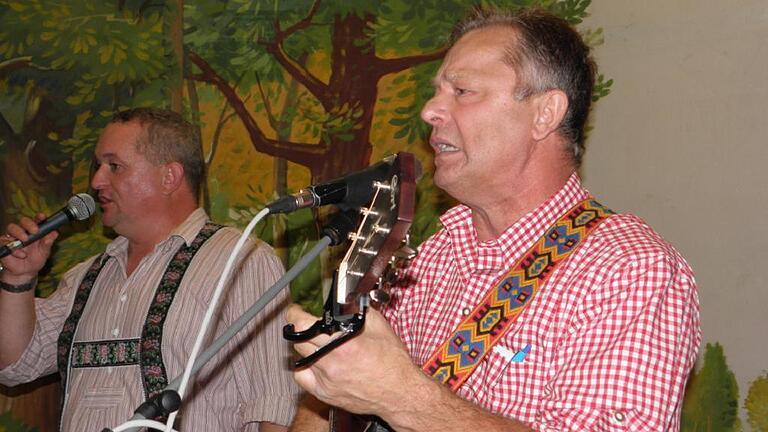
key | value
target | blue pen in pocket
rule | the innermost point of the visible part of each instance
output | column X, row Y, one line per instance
column 520, row 355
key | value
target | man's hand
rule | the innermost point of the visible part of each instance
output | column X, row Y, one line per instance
column 23, row 264
column 369, row 374
column 372, row 373
column 17, row 309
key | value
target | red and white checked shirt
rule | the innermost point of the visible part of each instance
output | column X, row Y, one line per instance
column 613, row 334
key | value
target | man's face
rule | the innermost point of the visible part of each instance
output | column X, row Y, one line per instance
column 128, row 186
column 481, row 134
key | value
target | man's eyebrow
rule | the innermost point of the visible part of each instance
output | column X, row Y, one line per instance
column 449, row 77
column 104, row 156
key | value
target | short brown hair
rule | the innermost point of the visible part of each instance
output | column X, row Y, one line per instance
column 168, row 138
column 549, row 54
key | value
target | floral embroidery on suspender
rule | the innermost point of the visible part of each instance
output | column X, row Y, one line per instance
column 105, row 353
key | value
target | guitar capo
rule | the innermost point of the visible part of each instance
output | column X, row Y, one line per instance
column 337, row 230
column 328, row 325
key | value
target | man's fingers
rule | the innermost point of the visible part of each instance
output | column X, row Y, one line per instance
column 29, row 226
column 305, row 378
column 15, row 232
column 306, row 348
column 50, row 238
column 300, row 319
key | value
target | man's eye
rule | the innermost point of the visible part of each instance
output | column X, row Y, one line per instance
column 461, row 91
column 113, row 166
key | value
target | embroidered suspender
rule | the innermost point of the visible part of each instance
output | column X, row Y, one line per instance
column 145, row 351
column 455, row 360
column 67, row 334
column 152, row 366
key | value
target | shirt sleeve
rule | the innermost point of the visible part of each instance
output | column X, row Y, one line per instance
column 262, row 369
column 624, row 361
column 39, row 358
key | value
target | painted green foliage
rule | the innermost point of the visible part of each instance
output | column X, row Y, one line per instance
column 712, row 397
column 9, row 424
column 63, row 67
column 756, row 404
column 324, row 85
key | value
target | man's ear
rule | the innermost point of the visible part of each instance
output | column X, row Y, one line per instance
column 551, row 107
column 173, row 177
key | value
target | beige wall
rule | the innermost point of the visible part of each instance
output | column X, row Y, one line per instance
column 683, row 142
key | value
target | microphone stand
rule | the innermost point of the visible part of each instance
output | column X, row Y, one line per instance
column 168, row 400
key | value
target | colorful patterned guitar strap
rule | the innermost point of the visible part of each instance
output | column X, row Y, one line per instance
column 455, row 360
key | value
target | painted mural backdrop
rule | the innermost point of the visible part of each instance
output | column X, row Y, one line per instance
column 285, row 93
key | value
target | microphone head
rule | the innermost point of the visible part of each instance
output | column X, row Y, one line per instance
column 81, row 206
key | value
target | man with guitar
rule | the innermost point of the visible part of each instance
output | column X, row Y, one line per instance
column 535, row 307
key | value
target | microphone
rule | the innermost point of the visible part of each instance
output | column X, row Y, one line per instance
column 79, row 207
column 352, row 190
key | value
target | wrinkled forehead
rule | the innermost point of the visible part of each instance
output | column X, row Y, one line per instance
column 481, row 51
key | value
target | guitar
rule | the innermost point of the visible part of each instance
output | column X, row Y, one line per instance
column 370, row 265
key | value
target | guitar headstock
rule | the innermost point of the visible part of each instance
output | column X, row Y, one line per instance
column 384, row 227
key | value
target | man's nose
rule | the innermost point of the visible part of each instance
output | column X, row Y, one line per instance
column 434, row 111
column 97, row 180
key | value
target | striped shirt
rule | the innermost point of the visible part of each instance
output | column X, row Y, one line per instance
column 610, row 338
column 248, row 381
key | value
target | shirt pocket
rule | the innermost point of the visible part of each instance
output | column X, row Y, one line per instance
column 513, row 366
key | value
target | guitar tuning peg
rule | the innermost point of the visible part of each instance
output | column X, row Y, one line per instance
column 390, row 277
column 368, row 212
column 378, row 229
column 354, row 236
column 379, row 296
column 405, row 252
column 355, row 273
column 382, row 185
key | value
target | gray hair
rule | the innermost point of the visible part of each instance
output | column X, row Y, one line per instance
column 547, row 54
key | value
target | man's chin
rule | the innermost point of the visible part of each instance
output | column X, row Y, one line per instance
column 443, row 179
column 107, row 220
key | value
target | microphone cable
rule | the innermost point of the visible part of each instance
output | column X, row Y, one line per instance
column 333, row 235
column 149, row 424
column 211, row 307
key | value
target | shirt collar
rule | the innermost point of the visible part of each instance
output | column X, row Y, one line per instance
column 503, row 251
column 186, row 232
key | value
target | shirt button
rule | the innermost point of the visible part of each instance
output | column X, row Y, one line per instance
column 123, row 297
column 619, row 417
column 115, row 332
column 466, row 311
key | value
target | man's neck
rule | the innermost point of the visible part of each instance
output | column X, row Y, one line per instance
column 143, row 241
column 492, row 218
